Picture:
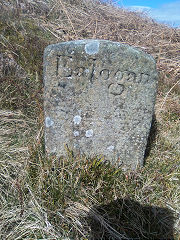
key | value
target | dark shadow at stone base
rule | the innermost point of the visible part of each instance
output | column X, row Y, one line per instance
column 151, row 138
column 127, row 219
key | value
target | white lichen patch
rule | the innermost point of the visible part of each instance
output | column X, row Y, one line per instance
column 86, row 70
column 92, row 47
column 76, row 133
column 54, row 149
column 49, row 122
column 77, row 120
column 110, row 148
column 89, row 133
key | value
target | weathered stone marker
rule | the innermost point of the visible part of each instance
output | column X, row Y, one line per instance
column 99, row 99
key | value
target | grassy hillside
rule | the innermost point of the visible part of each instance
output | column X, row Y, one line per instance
column 78, row 197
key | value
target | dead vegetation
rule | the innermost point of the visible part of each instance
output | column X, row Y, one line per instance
column 77, row 197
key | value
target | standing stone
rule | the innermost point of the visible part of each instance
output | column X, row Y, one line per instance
column 99, row 100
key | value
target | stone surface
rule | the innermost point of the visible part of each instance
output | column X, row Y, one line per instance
column 99, row 100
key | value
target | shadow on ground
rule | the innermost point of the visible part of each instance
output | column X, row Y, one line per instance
column 151, row 138
column 127, row 219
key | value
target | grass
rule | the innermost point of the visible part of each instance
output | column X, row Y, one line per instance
column 77, row 197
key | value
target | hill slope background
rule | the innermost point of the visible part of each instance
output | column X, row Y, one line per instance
column 77, row 197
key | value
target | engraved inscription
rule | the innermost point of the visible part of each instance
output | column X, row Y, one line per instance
column 64, row 69
column 104, row 74
column 118, row 75
column 79, row 71
column 125, row 76
column 116, row 89
column 63, row 66
column 129, row 76
column 142, row 77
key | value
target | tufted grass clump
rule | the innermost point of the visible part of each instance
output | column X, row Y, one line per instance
column 58, row 181
column 81, row 194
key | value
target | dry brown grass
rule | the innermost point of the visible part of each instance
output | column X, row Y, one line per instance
column 43, row 198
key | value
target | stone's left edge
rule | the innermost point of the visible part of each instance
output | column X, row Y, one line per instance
column 48, row 122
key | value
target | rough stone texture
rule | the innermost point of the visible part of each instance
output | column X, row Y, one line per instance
column 99, row 99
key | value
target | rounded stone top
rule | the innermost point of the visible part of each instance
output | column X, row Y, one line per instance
column 96, row 46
